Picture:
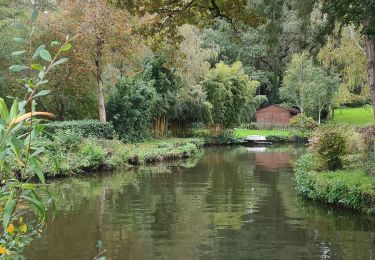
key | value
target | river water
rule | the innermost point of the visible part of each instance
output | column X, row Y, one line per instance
column 228, row 203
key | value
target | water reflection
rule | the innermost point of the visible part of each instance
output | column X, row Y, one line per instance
column 233, row 203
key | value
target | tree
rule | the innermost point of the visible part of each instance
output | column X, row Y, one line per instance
column 166, row 16
column 345, row 54
column 299, row 73
column 308, row 86
column 193, row 62
column 131, row 108
column 231, row 93
column 166, row 83
column 321, row 91
column 105, row 37
column 359, row 13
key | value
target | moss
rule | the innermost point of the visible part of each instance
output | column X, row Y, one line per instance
column 349, row 188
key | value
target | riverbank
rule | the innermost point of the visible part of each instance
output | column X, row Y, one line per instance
column 348, row 188
column 339, row 168
column 70, row 155
column 274, row 136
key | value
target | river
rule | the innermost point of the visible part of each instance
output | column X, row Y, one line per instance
column 228, row 203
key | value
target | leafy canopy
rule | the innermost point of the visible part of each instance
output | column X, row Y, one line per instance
column 231, row 94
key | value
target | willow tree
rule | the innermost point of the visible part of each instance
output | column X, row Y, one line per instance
column 346, row 55
column 360, row 13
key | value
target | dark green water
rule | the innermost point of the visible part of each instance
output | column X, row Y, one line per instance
column 231, row 203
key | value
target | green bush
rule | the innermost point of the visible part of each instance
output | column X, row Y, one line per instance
column 85, row 128
column 278, row 138
column 188, row 149
column 303, row 123
column 92, row 153
column 331, row 144
column 130, row 108
column 227, row 137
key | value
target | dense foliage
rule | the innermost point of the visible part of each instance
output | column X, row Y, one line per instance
column 303, row 123
column 86, row 128
column 307, row 86
column 231, row 93
column 131, row 108
column 19, row 153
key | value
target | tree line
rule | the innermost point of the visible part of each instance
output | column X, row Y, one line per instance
column 185, row 62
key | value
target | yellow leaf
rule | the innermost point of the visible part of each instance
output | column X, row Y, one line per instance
column 3, row 251
column 23, row 228
column 29, row 115
column 10, row 229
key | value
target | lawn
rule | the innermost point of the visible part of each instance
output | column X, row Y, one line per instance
column 242, row 133
column 354, row 116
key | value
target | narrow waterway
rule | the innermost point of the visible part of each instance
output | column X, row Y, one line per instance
column 228, row 203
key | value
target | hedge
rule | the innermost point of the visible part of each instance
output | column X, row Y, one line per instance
column 87, row 128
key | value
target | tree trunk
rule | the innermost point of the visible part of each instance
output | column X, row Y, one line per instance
column 370, row 58
column 320, row 115
column 99, row 35
column 99, row 52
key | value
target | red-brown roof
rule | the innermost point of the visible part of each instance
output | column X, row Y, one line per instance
column 293, row 110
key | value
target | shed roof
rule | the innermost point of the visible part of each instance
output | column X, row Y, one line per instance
column 291, row 109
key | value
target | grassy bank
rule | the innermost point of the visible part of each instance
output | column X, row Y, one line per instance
column 351, row 188
column 276, row 136
column 354, row 116
column 68, row 153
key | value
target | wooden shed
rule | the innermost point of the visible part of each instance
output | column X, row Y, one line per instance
column 275, row 115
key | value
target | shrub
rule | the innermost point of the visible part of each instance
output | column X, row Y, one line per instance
column 188, row 149
column 303, row 123
column 92, row 153
column 278, row 138
column 131, row 108
column 85, row 128
column 331, row 144
column 227, row 137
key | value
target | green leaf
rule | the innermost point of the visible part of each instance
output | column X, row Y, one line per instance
column 14, row 109
column 38, row 67
column 38, row 205
column 4, row 112
column 16, row 53
column 61, row 61
column 55, row 43
column 44, row 54
column 34, row 15
column 8, row 210
column 42, row 93
column 17, row 68
column 38, row 151
column 51, row 201
column 42, row 74
column 38, row 50
column 99, row 244
column 66, row 47
column 38, row 170
column 43, row 82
